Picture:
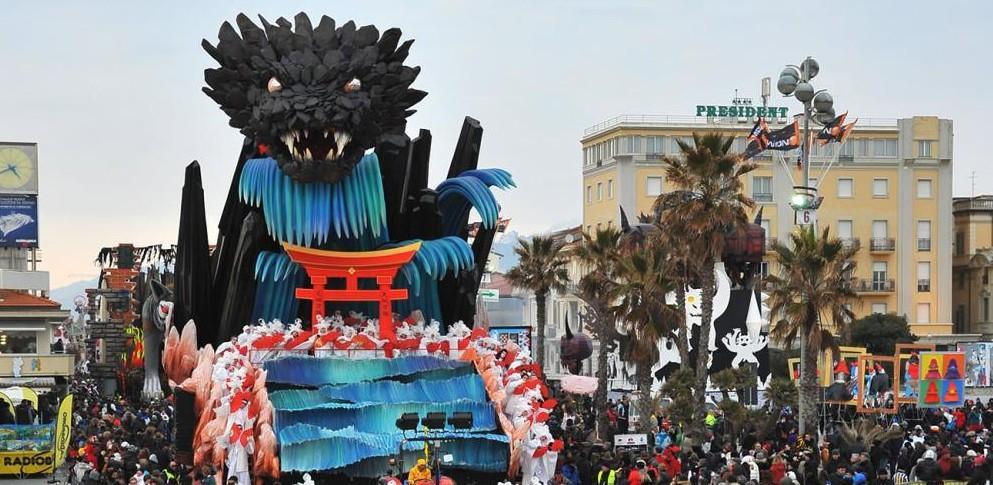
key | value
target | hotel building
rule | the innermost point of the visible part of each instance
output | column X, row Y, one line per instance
column 887, row 189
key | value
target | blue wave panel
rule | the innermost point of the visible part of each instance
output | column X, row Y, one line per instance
column 471, row 189
column 386, row 391
column 306, row 213
column 462, row 387
column 310, row 448
column 321, row 371
column 381, row 417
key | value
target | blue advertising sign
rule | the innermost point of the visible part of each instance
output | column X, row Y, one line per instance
column 18, row 221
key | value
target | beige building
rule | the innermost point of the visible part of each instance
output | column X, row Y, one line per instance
column 973, row 263
column 888, row 189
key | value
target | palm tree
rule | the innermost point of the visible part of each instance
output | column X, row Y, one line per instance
column 708, row 204
column 541, row 268
column 643, row 282
column 599, row 254
column 811, row 294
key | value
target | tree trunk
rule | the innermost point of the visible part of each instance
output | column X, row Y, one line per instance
column 539, row 339
column 682, row 339
column 645, row 401
column 600, row 396
column 809, row 389
column 702, row 352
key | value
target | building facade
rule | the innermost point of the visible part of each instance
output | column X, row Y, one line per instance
column 27, row 358
column 887, row 189
column 973, row 263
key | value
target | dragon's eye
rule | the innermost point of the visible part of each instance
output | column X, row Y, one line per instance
column 274, row 85
column 353, row 85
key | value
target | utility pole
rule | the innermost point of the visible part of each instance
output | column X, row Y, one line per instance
column 795, row 81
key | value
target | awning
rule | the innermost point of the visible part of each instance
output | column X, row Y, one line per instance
column 32, row 382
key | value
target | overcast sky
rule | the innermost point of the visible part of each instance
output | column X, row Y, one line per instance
column 111, row 90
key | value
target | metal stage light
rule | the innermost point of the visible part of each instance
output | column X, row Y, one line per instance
column 434, row 421
column 408, row 421
column 460, row 420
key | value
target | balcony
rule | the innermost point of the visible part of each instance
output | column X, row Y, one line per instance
column 924, row 285
column 973, row 204
column 872, row 286
column 850, row 242
column 882, row 245
column 923, row 244
column 762, row 196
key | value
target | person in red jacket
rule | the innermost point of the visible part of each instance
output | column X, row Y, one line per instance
column 670, row 461
column 959, row 418
column 778, row 469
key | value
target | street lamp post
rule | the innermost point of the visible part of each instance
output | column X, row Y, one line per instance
column 819, row 106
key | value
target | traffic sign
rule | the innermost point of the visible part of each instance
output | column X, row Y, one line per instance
column 489, row 294
column 806, row 217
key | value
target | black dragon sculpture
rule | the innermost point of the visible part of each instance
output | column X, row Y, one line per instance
column 321, row 107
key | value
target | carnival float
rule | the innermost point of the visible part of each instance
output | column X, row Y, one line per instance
column 340, row 294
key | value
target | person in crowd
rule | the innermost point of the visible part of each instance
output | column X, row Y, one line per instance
column 25, row 413
column 6, row 416
column 420, row 471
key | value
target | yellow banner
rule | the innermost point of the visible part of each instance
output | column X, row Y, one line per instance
column 26, row 462
column 63, row 431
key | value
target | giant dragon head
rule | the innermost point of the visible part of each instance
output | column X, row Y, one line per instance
column 313, row 98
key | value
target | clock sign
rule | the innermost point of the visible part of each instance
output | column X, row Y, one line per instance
column 18, row 169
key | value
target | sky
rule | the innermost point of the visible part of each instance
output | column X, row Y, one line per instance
column 111, row 91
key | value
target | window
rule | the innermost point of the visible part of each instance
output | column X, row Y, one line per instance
column 862, row 147
column 923, row 235
column 599, row 191
column 880, row 237
column 880, row 187
column 879, row 308
column 847, row 148
column 764, row 269
column 610, row 189
column 986, row 308
column 18, row 342
column 654, row 144
column 633, row 144
column 923, row 313
column 884, row 148
column 923, row 188
column 688, row 140
column 762, row 189
column 924, row 276
column 879, row 276
column 924, row 149
column 959, row 243
column 879, row 229
column 845, row 230
column 846, row 187
column 653, row 186
column 589, row 194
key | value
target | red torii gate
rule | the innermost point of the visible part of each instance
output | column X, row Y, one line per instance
column 381, row 265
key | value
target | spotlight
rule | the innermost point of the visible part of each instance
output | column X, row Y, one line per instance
column 408, row 421
column 434, row 421
column 461, row 420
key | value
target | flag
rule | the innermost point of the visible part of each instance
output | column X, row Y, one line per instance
column 845, row 130
column 758, row 138
column 786, row 138
column 834, row 130
column 63, row 432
